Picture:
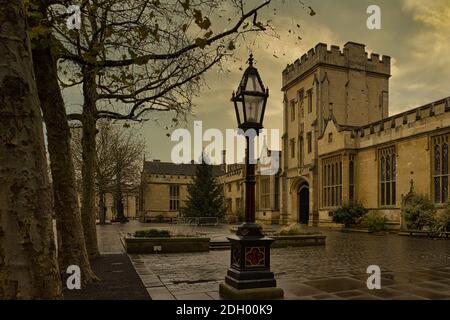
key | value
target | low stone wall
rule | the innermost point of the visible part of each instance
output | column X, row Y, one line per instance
column 298, row 241
column 357, row 230
column 330, row 225
column 420, row 233
column 166, row 245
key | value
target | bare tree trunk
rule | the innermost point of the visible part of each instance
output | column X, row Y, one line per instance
column 102, row 207
column 119, row 207
column 88, row 210
column 71, row 244
column 118, row 198
column 28, row 266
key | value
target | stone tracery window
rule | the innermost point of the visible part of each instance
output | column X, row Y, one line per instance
column 174, row 201
column 440, row 168
column 293, row 110
column 332, row 181
column 351, row 178
column 265, row 192
column 388, row 176
column 310, row 100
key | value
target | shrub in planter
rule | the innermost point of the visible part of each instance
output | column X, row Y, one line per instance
column 441, row 222
column 418, row 212
column 152, row 233
column 294, row 230
column 231, row 219
column 374, row 221
column 240, row 214
column 349, row 213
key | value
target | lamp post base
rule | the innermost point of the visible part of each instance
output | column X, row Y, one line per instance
column 249, row 275
column 228, row 292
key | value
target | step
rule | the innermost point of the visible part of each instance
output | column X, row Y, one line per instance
column 219, row 245
column 220, row 248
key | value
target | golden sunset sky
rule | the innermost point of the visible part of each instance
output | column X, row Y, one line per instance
column 415, row 33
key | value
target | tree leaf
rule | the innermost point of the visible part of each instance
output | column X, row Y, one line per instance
column 208, row 34
column 203, row 23
column 201, row 42
column 185, row 5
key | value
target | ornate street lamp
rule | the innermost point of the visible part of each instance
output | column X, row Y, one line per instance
column 249, row 276
column 250, row 99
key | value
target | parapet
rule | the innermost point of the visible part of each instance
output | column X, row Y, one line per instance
column 410, row 118
column 353, row 55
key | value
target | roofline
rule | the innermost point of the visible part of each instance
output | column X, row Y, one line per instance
column 407, row 112
column 343, row 127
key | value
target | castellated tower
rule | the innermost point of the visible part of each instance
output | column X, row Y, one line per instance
column 347, row 84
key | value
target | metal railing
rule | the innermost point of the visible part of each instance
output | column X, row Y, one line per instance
column 198, row 221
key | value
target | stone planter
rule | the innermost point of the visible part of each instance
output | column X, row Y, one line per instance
column 166, row 245
column 357, row 230
column 421, row 233
column 298, row 240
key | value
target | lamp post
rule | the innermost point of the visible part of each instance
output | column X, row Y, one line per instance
column 249, row 276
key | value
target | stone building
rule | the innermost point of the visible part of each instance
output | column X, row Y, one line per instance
column 233, row 188
column 163, row 191
column 340, row 144
column 130, row 202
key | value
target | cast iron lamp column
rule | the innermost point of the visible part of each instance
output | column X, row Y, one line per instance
column 249, row 276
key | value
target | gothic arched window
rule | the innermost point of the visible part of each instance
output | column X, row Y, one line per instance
column 351, row 178
column 440, row 168
column 328, row 187
column 388, row 176
column 393, row 183
column 340, row 184
column 437, row 170
column 383, row 179
column 332, row 181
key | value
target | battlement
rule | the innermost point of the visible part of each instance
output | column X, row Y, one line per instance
column 352, row 56
column 410, row 118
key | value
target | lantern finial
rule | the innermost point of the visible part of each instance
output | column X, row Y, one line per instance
column 250, row 60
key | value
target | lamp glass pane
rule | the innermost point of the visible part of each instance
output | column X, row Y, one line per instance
column 240, row 108
column 253, row 107
column 253, row 84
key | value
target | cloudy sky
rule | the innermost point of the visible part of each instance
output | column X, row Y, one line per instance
column 415, row 33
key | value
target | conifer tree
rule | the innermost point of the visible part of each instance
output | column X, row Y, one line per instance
column 205, row 198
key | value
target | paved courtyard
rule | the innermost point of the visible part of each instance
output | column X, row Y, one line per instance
column 412, row 268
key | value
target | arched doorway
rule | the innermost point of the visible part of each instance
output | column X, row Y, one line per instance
column 303, row 203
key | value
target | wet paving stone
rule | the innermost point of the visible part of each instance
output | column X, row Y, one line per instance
column 409, row 277
column 349, row 294
column 384, row 293
column 194, row 296
column 421, row 292
column 325, row 297
column 299, row 290
column 434, row 286
column 365, row 297
column 411, row 268
column 336, row 284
